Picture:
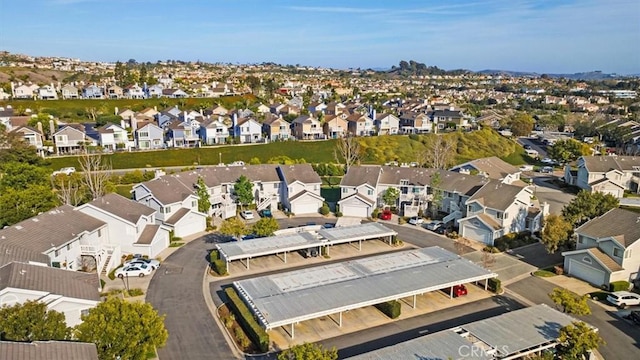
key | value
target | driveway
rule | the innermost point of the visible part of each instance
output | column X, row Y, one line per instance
column 622, row 338
column 550, row 193
column 176, row 291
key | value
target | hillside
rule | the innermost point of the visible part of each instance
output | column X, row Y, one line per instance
column 38, row 76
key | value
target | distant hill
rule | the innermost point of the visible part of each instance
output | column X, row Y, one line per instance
column 591, row 75
column 39, row 76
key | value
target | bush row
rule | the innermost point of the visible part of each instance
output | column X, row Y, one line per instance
column 619, row 286
column 495, row 285
column 248, row 323
column 218, row 265
column 390, row 308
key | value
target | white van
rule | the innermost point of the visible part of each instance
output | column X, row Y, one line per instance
column 534, row 154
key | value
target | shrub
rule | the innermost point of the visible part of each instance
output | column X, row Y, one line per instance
column 214, row 255
column 219, row 266
column 325, row 210
column 619, row 286
column 453, row 235
column 402, row 220
column 102, row 283
column 558, row 270
column 390, row 308
column 135, row 292
column 176, row 244
column 375, row 213
column 491, row 249
column 495, row 285
column 112, row 274
column 338, row 213
column 246, row 320
column 243, row 341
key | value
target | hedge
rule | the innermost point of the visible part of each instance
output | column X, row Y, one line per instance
column 248, row 323
column 219, row 266
column 390, row 308
column 619, row 286
column 495, row 285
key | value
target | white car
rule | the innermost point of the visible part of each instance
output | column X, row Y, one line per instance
column 133, row 270
column 416, row 220
column 623, row 298
column 548, row 161
column 433, row 225
column 247, row 214
column 142, row 261
column 67, row 171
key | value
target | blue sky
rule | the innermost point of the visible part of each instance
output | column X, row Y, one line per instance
column 531, row 35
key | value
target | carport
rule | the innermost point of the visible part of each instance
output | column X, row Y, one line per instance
column 288, row 298
column 356, row 233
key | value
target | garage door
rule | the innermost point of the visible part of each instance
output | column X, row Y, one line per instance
column 189, row 225
column 305, row 208
column 585, row 272
column 355, row 211
column 476, row 233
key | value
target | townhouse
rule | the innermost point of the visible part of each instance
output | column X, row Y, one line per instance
column 307, row 127
column 276, row 128
column 606, row 174
column 214, row 131
column 491, row 167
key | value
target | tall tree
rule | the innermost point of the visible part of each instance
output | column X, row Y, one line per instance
column 265, row 227
column 556, row 232
column 204, row 202
column 588, row 205
column 390, row 196
column 122, row 329
column 348, row 150
column 439, row 151
column 243, row 188
column 70, row 188
column 32, row 321
column 436, row 193
column 576, row 340
column 18, row 205
column 564, row 151
column 20, row 176
column 570, row 302
column 14, row 148
column 521, row 124
column 234, row 227
column 308, row 351
column 96, row 174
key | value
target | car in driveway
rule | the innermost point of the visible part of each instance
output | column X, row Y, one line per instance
column 416, row 220
column 622, row 299
column 266, row 213
column 139, row 270
column 142, row 261
column 247, row 214
column 634, row 316
column 433, row 225
column 385, row 215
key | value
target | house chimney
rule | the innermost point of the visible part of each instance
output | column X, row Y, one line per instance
column 134, row 124
column 155, row 108
column 52, row 128
column 116, row 111
column 13, row 90
column 39, row 126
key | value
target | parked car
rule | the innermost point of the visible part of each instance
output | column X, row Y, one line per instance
column 546, row 169
column 150, row 262
column 66, row 170
column 247, row 214
column 416, row 220
column 307, row 253
column 385, row 215
column 527, row 147
column 433, row 225
column 133, row 270
column 458, row 290
column 329, row 225
column 634, row 316
column 548, row 161
column 266, row 213
column 623, row 299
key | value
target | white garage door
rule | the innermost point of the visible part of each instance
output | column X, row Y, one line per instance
column 305, row 208
column 355, row 211
column 585, row 272
column 477, row 234
column 189, row 225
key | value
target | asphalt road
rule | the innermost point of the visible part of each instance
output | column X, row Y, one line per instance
column 176, row 291
column 535, row 145
column 622, row 338
column 553, row 195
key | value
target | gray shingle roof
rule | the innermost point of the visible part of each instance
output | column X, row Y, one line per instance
column 496, row 195
column 494, row 167
column 72, row 284
column 9, row 253
column 175, row 218
column 148, row 234
column 48, row 350
column 169, row 189
column 606, row 163
column 358, row 175
column 624, row 225
column 122, row 207
column 301, row 172
column 50, row 229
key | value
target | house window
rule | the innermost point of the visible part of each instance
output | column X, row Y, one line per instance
column 370, row 192
column 617, row 252
column 194, row 203
column 500, row 215
column 56, row 253
column 344, row 190
column 84, row 312
column 68, row 247
column 404, row 182
column 143, row 134
column 580, row 240
column 587, row 260
column 99, row 232
column 275, row 186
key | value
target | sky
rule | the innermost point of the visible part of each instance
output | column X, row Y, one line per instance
column 544, row 36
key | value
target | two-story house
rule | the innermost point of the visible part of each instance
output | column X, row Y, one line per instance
column 113, row 137
column 175, row 202
column 115, row 92
column 301, row 188
column 182, row 134
column 70, row 92
column 335, row 126
column 134, row 91
column 306, row 127
column 358, row 191
column 247, row 130
column 491, row 167
column 132, row 226
column 449, row 118
column 607, row 249
column 70, row 293
column 415, row 123
column 387, row 124
column 276, row 128
column 47, row 92
column 149, row 136
column 155, row 90
column 606, row 174
column 24, row 91
column 32, row 136
column 214, row 131
column 69, row 139
column 360, row 125
column 92, row 92
column 498, row 209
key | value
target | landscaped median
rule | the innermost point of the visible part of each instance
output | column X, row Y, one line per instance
column 248, row 325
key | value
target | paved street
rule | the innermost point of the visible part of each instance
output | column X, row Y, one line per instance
column 554, row 196
column 623, row 338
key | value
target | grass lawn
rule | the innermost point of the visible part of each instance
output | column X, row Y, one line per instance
column 543, row 273
column 518, row 157
column 124, row 190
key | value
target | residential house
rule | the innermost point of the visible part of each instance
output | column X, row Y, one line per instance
column 10, row 253
column 134, row 91
column 113, row 137
column 306, row 127
column 449, row 118
column 491, row 167
column 358, row 191
column 24, row 91
column 33, row 136
column 174, row 93
column 498, row 209
column 607, row 249
column 217, row 110
column 301, row 188
column 70, row 92
column 182, row 134
column 150, row 112
column 263, row 109
column 69, row 139
column 316, row 107
column 276, row 128
column 164, row 118
column 335, row 126
column 247, row 130
column 334, row 108
column 149, row 136
column 47, row 92
column 275, row 108
column 70, row 239
column 415, row 123
column 360, row 125
column 70, row 293
column 115, row 92
column 606, row 174
column 41, row 350
column 4, row 95
column 387, row 124
column 132, row 226
column 155, row 91
column 175, row 201
column 214, row 131
column 92, row 92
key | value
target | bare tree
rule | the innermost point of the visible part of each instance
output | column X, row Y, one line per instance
column 96, row 174
column 69, row 189
column 462, row 244
column 488, row 259
column 439, row 151
column 349, row 149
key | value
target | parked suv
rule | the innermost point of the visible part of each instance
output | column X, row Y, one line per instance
column 385, row 215
column 623, row 299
